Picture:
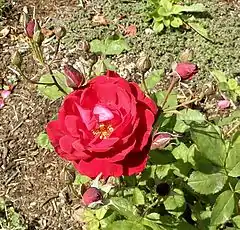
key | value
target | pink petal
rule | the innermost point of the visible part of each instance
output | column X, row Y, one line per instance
column 103, row 113
column 5, row 93
column 223, row 104
column 1, row 103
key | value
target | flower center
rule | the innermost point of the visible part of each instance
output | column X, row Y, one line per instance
column 103, row 130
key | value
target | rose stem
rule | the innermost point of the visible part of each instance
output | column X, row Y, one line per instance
column 55, row 80
column 34, row 82
column 144, row 84
column 175, row 78
column 56, row 51
column 149, row 207
column 183, row 104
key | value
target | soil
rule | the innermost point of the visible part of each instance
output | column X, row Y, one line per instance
column 30, row 177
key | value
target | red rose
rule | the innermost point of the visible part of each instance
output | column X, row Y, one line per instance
column 104, row 127
column 186, row 70
column 91, row 195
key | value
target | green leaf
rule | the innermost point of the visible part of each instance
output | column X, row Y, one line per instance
column 209, row 143
column 158, row 27
column 93, row 225
column 200, row 30
column 237, row 187
column 162, row 171
column 138, row 197
column 223, row 208
column 81, row 179
column 231, row 118
column 166, row 22
column 233, row 159
column 153, row 78
column 207, row 183
column 101, row 212
column 184, row 153
column 189, row 115
column 175, row 202
column 52, row 92
column 97, row 46
column 232, row 83
column 167, row 5
column 171, row 102
column 115, row 45
column 163, row 12
column 43, row 141
column 236, row 221
column 176, row 22
column 124, row 207
column 198, row 7
column 110, row 217
column 219, row 75
column 126, row 225
column 177, row 9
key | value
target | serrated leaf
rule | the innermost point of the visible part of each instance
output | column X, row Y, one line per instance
column 158, row 27
column 162, row 171
column 115, row 45
column 198, row 7
column 138, row 197
column 236, row 221
column 97, row 46
column 124, row 207
column 207, row 183
column 175, row 202
column 209, row 143
column 126, row 225
column 111, row 216
column 101, row 212
column 52, row 92
column 223, row 208
column 171, row 102
column 219, row 75
column 81, row 179
column 200, row 30
column 153, row 78
column 233, row 159
column 176, row 22
column 43, row 141
column 189, row 115
column 184, row 153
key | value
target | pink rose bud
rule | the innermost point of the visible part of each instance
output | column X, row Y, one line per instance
column 91, row 195
column 29, row 30
column 186, row 70
column 5, row 93
column 161, row 140
column 223, row 104
column 1, row 103
column 74, row 78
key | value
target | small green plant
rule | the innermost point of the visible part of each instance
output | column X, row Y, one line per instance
column 9, row 218
column 227, row 85
column 167, row 13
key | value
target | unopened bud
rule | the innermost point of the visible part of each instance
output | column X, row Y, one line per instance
column 143, row 64
column 161, row 140
column 29, row 29
column 17, row 59
column 186, row 70
column 60, row 32
column 92, row 195
column 38, row 37
column 74, row 78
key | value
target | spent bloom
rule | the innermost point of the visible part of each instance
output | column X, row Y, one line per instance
column 186, row 70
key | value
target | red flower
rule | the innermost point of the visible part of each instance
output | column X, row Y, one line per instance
column 74, row 78
column 91, row 195
column 30, row 28
column 186, row 70
column 105, row 127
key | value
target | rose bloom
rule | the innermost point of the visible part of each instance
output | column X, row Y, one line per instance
column 105, row 127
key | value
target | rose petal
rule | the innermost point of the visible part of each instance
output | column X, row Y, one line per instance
column 223, row 104
column 1, row 103
column 5, row 93
column 103, row 113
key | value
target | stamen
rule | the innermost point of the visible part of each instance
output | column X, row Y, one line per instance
column 103, row 130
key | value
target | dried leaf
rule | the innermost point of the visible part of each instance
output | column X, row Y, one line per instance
column 131, row 31
column 100, row 19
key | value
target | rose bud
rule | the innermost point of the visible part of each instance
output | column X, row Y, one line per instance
column 186, row 70
column 17, row 59
column 38, row 37
column 29, row 29
column 161, row 140
column 60, row 32
column 92, row 195
column 143, row 64
column 223, row 104
column 74, row 78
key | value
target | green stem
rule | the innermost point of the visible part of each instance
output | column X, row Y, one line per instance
column 150, row 206
column 181, row 105
column 144, row 84
column 55, row 80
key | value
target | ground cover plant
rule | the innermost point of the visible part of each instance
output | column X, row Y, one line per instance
column 142, row 148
